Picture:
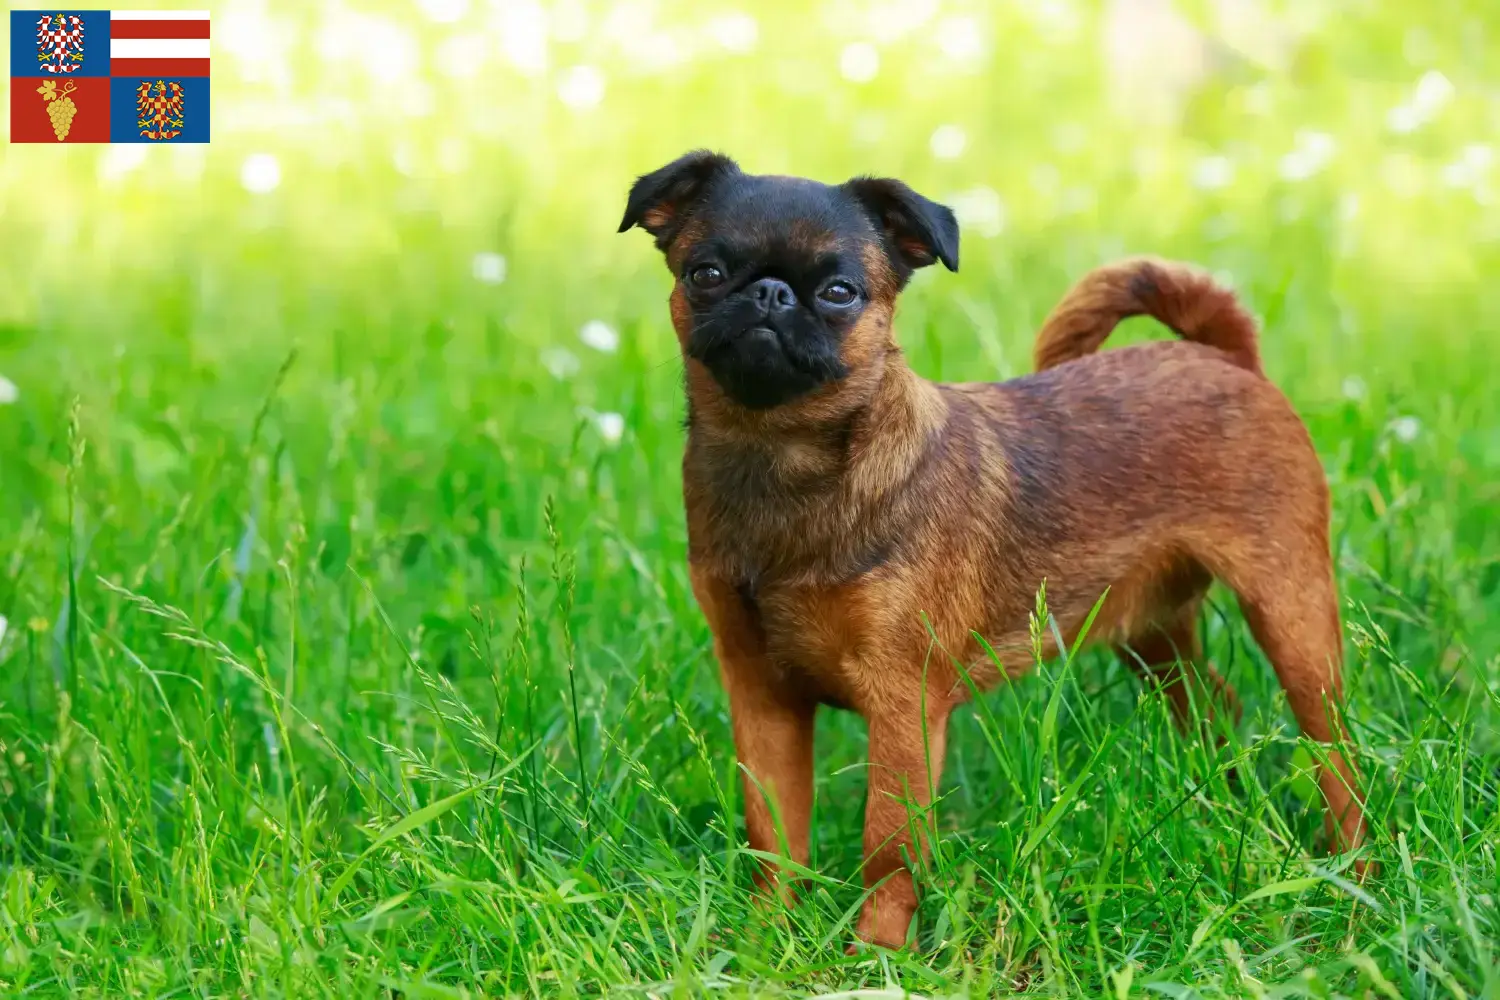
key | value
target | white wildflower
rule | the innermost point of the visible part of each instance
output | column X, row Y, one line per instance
column 600, row 336
column 488, row 267
column 1406, row 429
column 611, row 426
column 8, row 391
column 561, row 362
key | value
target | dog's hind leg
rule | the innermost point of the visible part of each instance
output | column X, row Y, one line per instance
column 1168, row 656
column 1291, row 604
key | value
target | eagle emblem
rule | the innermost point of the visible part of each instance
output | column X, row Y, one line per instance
column 159, row 109
column 59, row 42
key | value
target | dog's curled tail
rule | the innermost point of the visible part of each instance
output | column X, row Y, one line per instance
column 1179, row 296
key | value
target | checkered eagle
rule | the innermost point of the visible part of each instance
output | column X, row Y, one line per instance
column 59, row 42
column 158, row 108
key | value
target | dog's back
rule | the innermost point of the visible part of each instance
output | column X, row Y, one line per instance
column 1132, row 457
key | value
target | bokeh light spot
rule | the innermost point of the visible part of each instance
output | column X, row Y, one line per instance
column 260, row 173
column 859, row 62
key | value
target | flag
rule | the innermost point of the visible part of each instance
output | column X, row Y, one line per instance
column 109, row 76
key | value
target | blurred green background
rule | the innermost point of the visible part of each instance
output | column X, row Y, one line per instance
column 371, row 499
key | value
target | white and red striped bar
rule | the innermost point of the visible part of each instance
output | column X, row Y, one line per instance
column 158, row 43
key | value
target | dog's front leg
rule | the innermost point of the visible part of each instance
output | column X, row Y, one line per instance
column 907, row 741
column 773, row 729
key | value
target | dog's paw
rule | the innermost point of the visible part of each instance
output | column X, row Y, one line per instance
column 884, row 923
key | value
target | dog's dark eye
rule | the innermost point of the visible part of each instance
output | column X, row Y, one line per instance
column 838, row 294
column 706, row 276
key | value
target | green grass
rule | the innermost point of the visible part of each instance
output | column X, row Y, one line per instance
column 348, row 656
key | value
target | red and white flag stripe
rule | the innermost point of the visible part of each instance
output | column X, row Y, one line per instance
column 158, row 43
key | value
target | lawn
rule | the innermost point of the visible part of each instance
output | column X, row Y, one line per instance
column 347, row 645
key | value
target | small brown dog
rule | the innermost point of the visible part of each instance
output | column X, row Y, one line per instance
column 833, row 496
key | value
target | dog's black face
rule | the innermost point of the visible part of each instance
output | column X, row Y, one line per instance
column 777, row 272
column 775, row 279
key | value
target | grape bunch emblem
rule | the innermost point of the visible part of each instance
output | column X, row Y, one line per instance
column 60, row 107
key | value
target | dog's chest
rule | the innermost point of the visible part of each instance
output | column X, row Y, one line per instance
column 814, row 635
column 808, row 543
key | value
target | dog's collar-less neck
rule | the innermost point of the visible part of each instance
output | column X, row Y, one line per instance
column 781, row 505
column 846, row 418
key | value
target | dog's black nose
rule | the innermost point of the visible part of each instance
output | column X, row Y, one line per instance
column 773, row 295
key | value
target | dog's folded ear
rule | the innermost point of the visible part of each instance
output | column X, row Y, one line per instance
column 917, row 231
column 661, row 201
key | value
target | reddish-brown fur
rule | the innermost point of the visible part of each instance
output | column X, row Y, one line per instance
column 1181, row 298
column 821, row 531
